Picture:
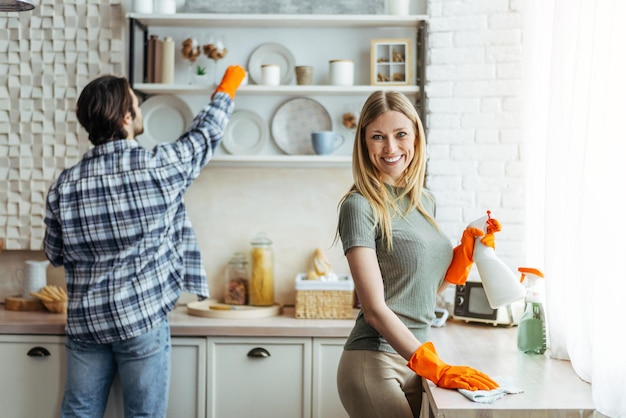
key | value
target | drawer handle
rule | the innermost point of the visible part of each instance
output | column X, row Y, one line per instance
column 258, row 352
column 38, row 352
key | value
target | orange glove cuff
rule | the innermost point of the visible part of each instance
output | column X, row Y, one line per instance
column 231, row 81
column 463, row 257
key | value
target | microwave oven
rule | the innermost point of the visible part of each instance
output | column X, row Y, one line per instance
column 471, row 305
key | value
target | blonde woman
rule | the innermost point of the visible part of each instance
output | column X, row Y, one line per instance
column 399, row 260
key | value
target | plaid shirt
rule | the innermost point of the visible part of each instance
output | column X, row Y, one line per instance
column 117, row 222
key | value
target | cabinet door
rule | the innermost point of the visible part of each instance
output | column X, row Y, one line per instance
column 33, row 375
column 325, row 401
column 259, row 377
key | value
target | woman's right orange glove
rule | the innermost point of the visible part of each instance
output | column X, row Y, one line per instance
column 463, row 257
column 426, row 363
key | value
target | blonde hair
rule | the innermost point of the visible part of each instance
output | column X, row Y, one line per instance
column 367, row 177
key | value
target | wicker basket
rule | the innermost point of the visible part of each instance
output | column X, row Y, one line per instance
column 319, row 299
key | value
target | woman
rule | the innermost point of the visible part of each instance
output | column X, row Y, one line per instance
column 398, row 258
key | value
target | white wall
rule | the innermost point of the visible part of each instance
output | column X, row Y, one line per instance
column 474, row 77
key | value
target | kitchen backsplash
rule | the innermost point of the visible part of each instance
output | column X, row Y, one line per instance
column 297, row 208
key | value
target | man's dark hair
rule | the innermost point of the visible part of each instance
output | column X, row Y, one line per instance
column 102, row 106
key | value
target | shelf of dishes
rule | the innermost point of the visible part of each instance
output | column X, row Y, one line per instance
column 270, row 20
column 251, row 89
column 282, row 161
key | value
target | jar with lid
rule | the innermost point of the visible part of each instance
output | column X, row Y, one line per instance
column 237, row 276
column 262, row 276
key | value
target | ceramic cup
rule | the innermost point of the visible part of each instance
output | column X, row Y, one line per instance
column 32, row 277
column 304, row 75
column 165, row 7
column 270, row 74
column 397, row 7
column 143, row 6
column 341, row 72
column 325, row 142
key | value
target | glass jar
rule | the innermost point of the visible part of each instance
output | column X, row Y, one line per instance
column 237, row 276
column 262, row 276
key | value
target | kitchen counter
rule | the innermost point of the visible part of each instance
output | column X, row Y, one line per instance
column 551, row 387
column 184, row 325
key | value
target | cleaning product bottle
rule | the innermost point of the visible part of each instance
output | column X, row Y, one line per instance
column 531, row 330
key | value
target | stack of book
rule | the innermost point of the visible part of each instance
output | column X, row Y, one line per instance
column 154, row 60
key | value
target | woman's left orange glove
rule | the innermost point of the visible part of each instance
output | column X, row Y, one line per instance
column 426, row 363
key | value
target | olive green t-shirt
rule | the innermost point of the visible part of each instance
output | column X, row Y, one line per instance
column 412, row 271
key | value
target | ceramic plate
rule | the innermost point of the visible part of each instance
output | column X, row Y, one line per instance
column 165, row 118
column 214, row 309
column 246, row 133
column 293, row 123
column 271, row 54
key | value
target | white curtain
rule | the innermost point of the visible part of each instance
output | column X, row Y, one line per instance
column 575, row 150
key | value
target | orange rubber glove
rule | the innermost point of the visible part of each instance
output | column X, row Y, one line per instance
column 493, row 226
column 426, row 363
column 463, row 257
column 231, row 81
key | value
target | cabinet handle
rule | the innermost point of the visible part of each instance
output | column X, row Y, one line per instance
column 258, row 352
column 38, row 352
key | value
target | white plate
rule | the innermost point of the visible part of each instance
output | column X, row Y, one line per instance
column 246, row 133
column 165, row 118
column 213, row 309
column 271, row 54
column 294, row 122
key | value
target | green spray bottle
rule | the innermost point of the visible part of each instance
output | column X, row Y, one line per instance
column 531, row 330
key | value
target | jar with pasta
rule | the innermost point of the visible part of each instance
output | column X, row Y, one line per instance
column 262, row 275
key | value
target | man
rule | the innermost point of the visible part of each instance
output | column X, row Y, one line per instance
column 117, row 222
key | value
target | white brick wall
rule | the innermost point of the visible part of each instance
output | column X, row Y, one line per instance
column 473, row 86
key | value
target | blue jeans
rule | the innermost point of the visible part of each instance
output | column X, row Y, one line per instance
column 143, row 364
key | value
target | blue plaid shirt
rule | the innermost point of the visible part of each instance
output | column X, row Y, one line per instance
column 117, row 222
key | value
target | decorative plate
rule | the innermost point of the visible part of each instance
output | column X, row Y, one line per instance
column 294, row 122
column 246, row 133
column 165, row 118
column 271, row 54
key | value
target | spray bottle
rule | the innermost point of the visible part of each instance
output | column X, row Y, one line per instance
column 500, row 282
column 531, row 330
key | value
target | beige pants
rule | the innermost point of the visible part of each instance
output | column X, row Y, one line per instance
column 373, row 384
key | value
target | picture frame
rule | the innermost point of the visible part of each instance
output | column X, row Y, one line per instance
column 390, row 62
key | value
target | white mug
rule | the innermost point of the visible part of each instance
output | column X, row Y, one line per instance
column 341, row 72
column 165, row 7
column 397, row 7
column 32, row 277
column 325, row 142
column 270, row 74
column 142, row 6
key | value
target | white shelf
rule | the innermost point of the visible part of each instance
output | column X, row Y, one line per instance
column 287, row 90
column 283, row 161
column 271, row 20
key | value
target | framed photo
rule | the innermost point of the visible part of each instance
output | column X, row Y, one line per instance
column 391, row 61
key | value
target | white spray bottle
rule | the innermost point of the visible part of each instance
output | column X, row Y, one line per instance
column 501, row 284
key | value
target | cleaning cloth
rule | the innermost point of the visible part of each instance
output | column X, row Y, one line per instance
column 507, row 386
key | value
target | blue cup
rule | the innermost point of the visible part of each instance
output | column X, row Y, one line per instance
column 325, row 142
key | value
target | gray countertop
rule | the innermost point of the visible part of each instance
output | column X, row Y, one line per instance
column 185, row 325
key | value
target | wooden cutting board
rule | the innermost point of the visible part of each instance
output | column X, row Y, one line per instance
column 18, row 303
column 213, row 309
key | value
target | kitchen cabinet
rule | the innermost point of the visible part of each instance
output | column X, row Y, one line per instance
column 35, row 367
column 274, row 377
column 260, row 377
column 312, row 39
